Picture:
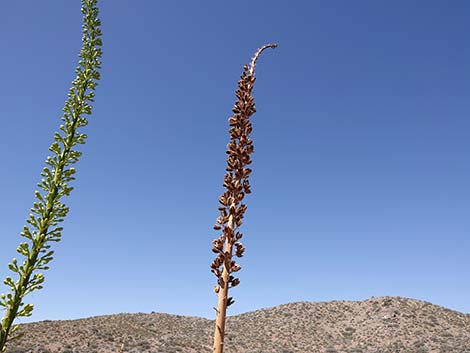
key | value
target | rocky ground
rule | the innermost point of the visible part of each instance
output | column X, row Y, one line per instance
column 376, row 325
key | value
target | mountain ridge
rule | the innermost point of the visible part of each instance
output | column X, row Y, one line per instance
column 375, row 325
column 260, row 309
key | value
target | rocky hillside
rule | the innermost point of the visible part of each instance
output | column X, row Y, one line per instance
column 386, row 325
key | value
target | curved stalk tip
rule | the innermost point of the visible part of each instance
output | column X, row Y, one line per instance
column 257, row 55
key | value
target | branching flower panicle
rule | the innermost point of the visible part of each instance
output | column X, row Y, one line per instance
column 232, row 209
column 48, row 210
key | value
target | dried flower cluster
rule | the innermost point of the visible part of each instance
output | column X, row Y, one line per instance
column 228, row 245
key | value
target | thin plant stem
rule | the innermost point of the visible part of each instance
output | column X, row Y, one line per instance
column 48, row 210
column 228, row 246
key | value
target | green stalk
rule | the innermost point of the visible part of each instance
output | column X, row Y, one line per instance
column 48, row 211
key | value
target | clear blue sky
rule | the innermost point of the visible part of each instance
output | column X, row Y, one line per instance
column 361, row 182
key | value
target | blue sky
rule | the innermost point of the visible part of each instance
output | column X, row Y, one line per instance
column 361, row 166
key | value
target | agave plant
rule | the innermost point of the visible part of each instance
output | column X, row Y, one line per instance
column 48, row 210
column 236, row 182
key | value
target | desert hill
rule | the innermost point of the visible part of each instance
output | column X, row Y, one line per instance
column 376, row 325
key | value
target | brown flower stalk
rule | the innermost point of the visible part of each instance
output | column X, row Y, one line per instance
column 232, row 210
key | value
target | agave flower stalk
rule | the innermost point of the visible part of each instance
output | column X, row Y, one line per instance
column 228, row 245
column 48, row 210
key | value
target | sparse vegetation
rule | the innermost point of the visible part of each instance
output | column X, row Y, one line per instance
column 294, row 328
